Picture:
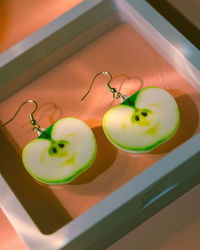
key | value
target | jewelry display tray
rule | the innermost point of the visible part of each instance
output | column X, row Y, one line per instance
column 54, row 67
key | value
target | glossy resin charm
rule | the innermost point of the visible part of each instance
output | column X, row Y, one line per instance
column 61, row 153
column 69, row 150
column 141, row 122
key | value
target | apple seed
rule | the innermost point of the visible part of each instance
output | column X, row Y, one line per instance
column 137, row 118
column 54, row 150
column 144, row 113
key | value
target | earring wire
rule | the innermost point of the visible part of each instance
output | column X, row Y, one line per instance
column 36, row 127
column 116, row 94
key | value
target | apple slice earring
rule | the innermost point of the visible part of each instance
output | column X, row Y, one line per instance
column 142, row 121
column 60, row 153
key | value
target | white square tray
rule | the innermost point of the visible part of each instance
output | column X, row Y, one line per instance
column 149, row 191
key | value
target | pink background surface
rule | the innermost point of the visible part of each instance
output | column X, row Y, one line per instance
column 135, row 59
column 20, row 18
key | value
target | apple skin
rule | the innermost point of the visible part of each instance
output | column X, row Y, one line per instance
column 43, row 137
column 131, row 102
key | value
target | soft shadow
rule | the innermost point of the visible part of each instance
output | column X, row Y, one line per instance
column 38, row 201
column 106, row 155
column 134, row 83
column 50, row 110
column 189, row 120
column 126, row 85
column 130, row 84
column 55, row 112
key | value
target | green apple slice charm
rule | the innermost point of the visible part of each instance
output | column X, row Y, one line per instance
column 142, row 122
column 67, row 151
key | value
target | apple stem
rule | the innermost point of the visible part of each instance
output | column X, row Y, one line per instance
column 46, row 135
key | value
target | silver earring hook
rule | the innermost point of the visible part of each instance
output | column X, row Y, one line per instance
column 116, row 94
column 36, row 127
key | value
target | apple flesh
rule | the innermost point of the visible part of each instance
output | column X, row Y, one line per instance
column 61, row 153
column 142, row 122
